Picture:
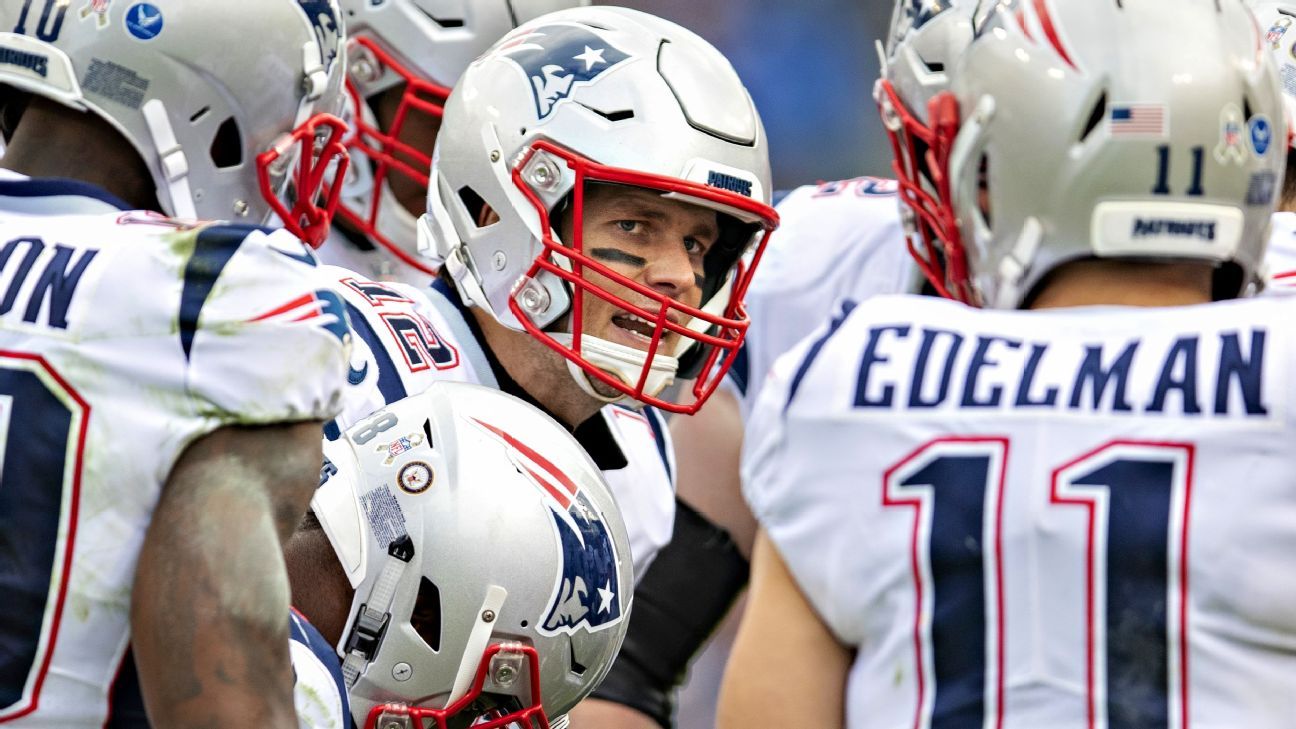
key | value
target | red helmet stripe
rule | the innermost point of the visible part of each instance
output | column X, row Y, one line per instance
column 1050, row 31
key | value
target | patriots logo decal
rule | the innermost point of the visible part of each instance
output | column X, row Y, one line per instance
column 324, row 21
column 588, row 590
column 559, row 59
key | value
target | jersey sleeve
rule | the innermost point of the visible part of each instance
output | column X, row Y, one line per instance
column 792, row 476
column 266, row 339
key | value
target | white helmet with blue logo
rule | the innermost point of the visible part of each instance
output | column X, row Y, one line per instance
column 221, row 131
column 600, row 95
column 491, row 567
column 1071, row 145
column 421, row 47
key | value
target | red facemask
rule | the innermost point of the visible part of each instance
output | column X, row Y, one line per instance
column 724, row 331
column 531, row 716
column 308, row 211
column 921, row 167
column 383, row 150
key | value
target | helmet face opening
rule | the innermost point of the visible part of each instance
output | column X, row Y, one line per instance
column 382, row 149
column 715, row 328
column 499, row 667
column 301, row 176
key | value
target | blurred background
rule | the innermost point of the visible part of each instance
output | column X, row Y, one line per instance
column 810, row 67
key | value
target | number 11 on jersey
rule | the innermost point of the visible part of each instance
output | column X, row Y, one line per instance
column 1136, row 496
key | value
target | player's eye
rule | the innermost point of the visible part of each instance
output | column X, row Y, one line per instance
column 629, row 226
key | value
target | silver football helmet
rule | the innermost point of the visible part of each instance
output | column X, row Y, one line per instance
column 424, row 45
column 1276, row 20
column 925, row 42
column 600, row 95
column 1149, row 131
column 226, row 135
column 492, row 571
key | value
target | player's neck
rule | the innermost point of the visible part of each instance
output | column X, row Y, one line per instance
column 539, row 370
column 1125, row 283
column 54, row 141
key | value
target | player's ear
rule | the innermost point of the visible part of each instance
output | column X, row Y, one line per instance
column 487, row 216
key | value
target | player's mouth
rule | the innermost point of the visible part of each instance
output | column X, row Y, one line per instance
column 636, row 331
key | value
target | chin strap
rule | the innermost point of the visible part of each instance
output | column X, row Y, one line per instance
column 478, row 639
column 622, row 362
column 175, row 166
column 371, row 622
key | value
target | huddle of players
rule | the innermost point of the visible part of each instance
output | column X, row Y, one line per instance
column 1062, row 170
column 460, row 557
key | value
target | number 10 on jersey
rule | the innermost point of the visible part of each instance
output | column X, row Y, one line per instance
column 1135, row 497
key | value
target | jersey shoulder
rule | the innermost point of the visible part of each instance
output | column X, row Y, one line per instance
column 832, row 227
column 319, row 692
column 1280, row 258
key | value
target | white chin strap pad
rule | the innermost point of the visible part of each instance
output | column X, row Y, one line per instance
column 622, row 362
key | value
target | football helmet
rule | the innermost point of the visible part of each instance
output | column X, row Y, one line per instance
column 926, row 39
column 1276, row 20
column 424, row 45
column 600, row 95
column 1148, row 131
column 241, row 136
column 492, row 572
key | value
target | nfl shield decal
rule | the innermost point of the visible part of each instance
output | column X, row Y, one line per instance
column 558, row 59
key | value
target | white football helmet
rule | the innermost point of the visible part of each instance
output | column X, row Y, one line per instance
column 226, row 135
column 424, row 45
column 1150, row 130
column 925, row 42
column 600, row 95
column 492, row 572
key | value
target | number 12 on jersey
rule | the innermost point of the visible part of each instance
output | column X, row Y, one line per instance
column 1135, row 496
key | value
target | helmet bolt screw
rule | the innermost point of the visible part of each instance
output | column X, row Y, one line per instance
column 488, row 616
column 393, row 725
column 542, row 176
column 240, row 208
column 505, row 675
column 534, row 298
column 495, row 155
column 402, row 672
column 499, row 260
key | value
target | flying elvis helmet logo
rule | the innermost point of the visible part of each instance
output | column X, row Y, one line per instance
column 587, row 593
column 325, row 22
column 557, row 59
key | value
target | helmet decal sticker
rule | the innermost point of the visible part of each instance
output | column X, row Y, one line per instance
column 582, row 56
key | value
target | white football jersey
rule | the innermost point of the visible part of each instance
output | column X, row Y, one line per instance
column 407, row 339
column 125, row 337
column 319, row 690
column 1064, row 519
column 835, row 240
column 1280, row 258
column 373, row 261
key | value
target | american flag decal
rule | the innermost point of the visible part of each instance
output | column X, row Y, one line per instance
column 1138, row 120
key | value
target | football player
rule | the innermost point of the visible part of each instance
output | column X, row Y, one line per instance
column 583, row 286
column 452, row 545
column 835, row 240
column 403, row 58
column 1076, row 515
column 156, row 448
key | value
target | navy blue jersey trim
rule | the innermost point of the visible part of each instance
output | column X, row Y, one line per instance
column 389, row 381
column 213, row 249
column 740, row 372
column 846, row 307
column 658, row 428
column 331, row 430
column 308, row 635
column 59, row 187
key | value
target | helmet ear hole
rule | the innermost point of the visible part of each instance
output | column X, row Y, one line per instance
column 1095, row 117
column 227, row 145
column 576, row 666
column 475, row 206
column 426, row 617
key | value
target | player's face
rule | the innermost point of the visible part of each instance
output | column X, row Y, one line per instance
column 653, row 241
